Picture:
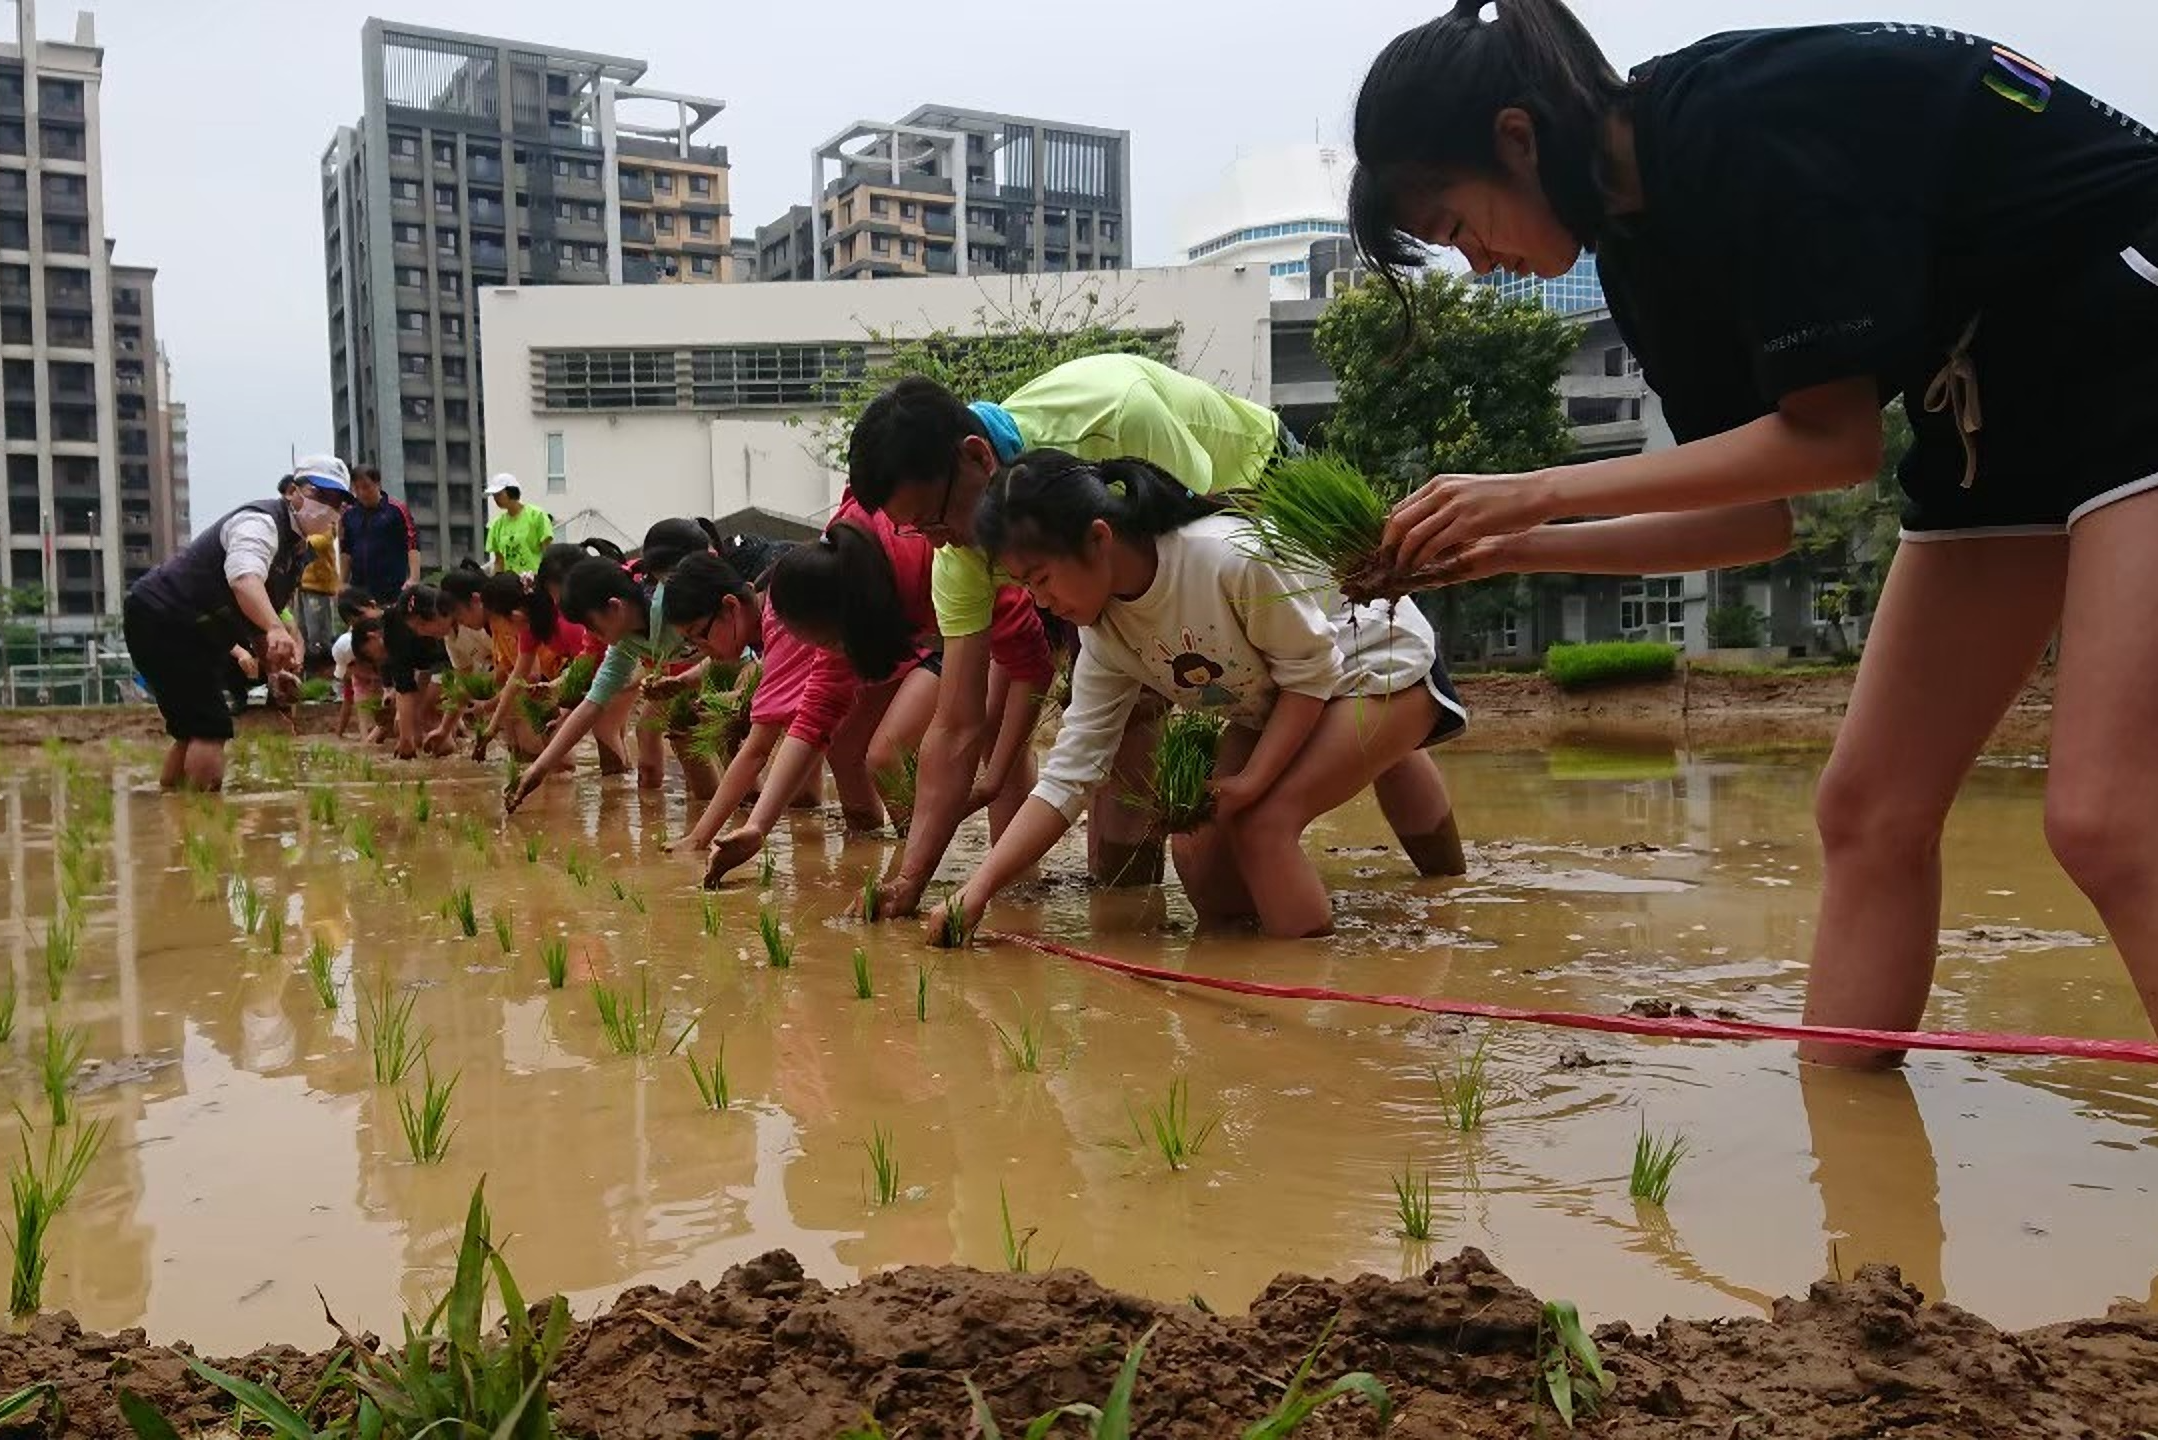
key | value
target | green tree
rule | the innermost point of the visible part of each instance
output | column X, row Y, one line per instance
column 1008, row 345
column 1845, row 538
column 1476, row 392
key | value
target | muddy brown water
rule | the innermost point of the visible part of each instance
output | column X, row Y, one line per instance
column 252, row 1159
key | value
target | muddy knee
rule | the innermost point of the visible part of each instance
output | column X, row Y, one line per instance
column 1439, row 851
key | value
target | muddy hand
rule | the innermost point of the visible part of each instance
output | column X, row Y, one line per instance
column 730, row 851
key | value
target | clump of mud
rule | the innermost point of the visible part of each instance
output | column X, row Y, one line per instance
column 768, row 1353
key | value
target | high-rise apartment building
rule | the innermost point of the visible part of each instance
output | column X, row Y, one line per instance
column 483, row 162
column 64, row 520
column 955, row 192
column 1579, row 290
column 151, row 525
column 170, row 438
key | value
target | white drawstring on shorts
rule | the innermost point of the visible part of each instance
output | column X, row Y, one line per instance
column 1955, row 389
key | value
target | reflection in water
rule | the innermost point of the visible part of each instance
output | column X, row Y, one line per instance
column 266, row 1162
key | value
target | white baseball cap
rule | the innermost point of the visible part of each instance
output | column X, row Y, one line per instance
column 502, row 482
column 325, row 472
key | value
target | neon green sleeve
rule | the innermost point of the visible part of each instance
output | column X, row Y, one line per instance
column 963, row 591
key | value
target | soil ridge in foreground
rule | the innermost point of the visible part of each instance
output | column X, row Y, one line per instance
column 767, row 1352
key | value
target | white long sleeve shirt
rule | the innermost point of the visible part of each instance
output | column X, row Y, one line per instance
column 1224, row 628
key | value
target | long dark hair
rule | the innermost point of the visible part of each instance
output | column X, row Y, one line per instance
column 556, row 561
column 1428, row 107
column 698, row 587
column 669, row 542
column 592, row 583
column 841, row 587
column 420, row 602
column 1048, row 500
column 505, row 594
column 464, row 583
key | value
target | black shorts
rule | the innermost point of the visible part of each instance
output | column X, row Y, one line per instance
column 1453, row 714
column 185, row 667
column 931, row 661
column 2067, row 379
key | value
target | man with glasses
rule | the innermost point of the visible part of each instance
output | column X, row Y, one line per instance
column 221, row 597
column 922, row 457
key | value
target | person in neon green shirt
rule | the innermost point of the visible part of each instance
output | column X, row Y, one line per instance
column 520, row 532
column 925, row 459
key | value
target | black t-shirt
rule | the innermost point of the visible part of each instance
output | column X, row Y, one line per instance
column 1842, row 200
column 407, row 656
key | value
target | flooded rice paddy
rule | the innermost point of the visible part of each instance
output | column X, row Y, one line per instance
column 252, row 1157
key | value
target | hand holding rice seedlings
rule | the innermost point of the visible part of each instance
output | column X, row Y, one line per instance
column 554, row 955
column 319, row 977
column 38, row 1194
column 1024, row 1049
column 1572, row 1374
column 862, row 990
column 58, row 1061
column 883, row 1166
column 711, row 1079
column 1465, row 1093
column 1018, row 1248
column 1169, row 1128
column 63, row 947
column 1184, row 768
column 458, row 907
column 630, row 1025
column 778, row 949
column 1654, row 1158
column 390, row 1039
column 1412, row 1202
column 470, row 687
column 426, row 1125
column 1319, row 513
column 503, row 935
column 1297, row 1405
column 721, row 723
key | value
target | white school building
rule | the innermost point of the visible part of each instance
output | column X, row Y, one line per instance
column 616, row 406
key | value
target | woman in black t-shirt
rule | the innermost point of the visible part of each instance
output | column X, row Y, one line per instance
column 1792, row 227
column 409, row 653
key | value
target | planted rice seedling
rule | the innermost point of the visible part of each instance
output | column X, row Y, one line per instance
column 203, row 864
column 38, row 1193
column 63, row 947
column 1412, row 1202
column 578, row 868
column 7, row 1011
column 1298, row 1405
column 1018, row 1248
column 1184, row 768
column 273, row 930
column 533, row 845
column 458, row 907
column 248, row 904
column 778, row 949
column 16, row 1406
column 473, row 833
column 322, row 806
column 362, row 836
column 423, row 804
column 921, row 992
column 630, row 1024
column 554, row 955
column 767, row 869
column 1109, row 1421
column 391, row 1041
column 871, row 893
column 1169, row 1129
column 883, row 1166
column 862, row 990
column 955, row 933
column 1024, row 1049
column 1571, row 1375
column 710, row 913
column 711, row 1078
column 426, row 1124
column 1317, row 512
column 1466, row 1092
column 503, row 935
column 58, row 1061
column 319, row 978
column 1654, row 1158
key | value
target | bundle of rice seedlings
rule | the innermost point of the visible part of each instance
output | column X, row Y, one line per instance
column 722, row 718
column 375, row 709
column 470, row 687
column 677, row 716
column 575, row 680
column 1183, row 767
column 1318, row 512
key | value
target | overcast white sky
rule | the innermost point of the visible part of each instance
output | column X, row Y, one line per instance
column 216, row 116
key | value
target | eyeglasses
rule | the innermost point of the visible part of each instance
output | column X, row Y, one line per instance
column 699, row 632
column 918, row 529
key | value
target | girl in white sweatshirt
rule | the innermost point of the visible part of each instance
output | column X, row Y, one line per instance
column 1175, row 594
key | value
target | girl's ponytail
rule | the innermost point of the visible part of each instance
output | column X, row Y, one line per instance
column 1048, row 500
column 839, row 590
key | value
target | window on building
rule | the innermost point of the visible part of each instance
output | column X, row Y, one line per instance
column 557, row 463
column 878, row 205
column 445, row 152
column 453, row 328
column 457, row 412
column 880, row 244
column 417, row 408
column 663, row 223
column 662, row 182
column 445, row 242
column 908, row 210
column 1654, row 609
column 419, row 455
column 700, row 184
column 608, row 380
column 591, row 212
column 700, row 264
column 1108, row 229
column 446, row 199
column 907, row 249
column 411, row 275
column 700, row 225
column 408, row 234
column 453, row 369
column 1509, row 631
column 412, row 322
column 451, row 284
column 405, row 145
column 413, row 365
column 405, row 191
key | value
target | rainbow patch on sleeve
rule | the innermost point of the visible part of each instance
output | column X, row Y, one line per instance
column 2020, row 81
